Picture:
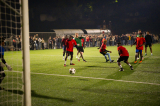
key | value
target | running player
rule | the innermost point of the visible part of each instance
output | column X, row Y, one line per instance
column 79, row 47
column 64, row 45
column 69, row 48
column 124, row 55
column 105, row 52
column 140, row 41
column 3, row 63
column 148, row 39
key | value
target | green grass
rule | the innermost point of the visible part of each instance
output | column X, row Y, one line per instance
column 95, row 83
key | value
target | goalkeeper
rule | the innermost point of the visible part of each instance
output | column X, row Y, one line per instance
column 3, row 63
column 105, row 52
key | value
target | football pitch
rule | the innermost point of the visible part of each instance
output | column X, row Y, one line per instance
column 96, row 82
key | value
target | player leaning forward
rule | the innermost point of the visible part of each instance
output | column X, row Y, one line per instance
column 70, row 43
column 3, row 63
column 124, row 55
column 105, row 52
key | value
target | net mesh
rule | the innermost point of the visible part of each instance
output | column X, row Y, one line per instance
column 11, row 81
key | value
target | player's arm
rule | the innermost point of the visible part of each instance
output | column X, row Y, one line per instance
column 119, row 52
column 108, row 51
column 134, row 43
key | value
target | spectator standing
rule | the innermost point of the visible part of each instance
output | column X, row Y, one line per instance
column 95, row 40
column 126, row 39
column 42, row 43
column 87, row 41
column 50, row 42
column 107, row 38
column 37, row 43
column 129, row 39
column 53, row 43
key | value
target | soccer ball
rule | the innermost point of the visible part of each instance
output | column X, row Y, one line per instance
column 72, row 71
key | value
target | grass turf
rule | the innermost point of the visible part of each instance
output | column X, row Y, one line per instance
column 95, row 83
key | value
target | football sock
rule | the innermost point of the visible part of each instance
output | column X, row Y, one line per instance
column 64, row 62
column 120, row 66
column 129, row 64
column 71, row 61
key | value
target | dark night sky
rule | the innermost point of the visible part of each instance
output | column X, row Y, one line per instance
column 125, row 15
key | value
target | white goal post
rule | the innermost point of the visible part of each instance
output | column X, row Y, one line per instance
column 26, row 53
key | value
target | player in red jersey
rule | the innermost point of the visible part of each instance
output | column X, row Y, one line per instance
column 105, row 52
column 64, row 45
column 140, row 41
column 124, row 55
column 70, row 43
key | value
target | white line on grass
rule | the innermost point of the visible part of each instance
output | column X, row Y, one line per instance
column 84, row 55
column 94, row 78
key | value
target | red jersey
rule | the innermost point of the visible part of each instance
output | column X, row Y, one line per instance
column 70, row 44
column 140, row 41
column 82, row 41
column 64, row 41
column 103, row 47
column 123, row 51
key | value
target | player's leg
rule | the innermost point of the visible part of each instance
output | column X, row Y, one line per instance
column 150, row 46
column 119, row 64
column 2, row 75
column 109, row 57
column 77, row 54
column 67, row 53
column 104, row 54
column 136, row 55
column 145, row 49
column 126, row 61
column 82, row 56
column 71, row 54
column 140, row 56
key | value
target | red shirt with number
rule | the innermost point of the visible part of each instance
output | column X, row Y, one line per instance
column 70, row 44
column 123, row 51
column 139, row 43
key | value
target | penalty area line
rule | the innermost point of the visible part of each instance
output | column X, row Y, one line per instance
column 96, row 78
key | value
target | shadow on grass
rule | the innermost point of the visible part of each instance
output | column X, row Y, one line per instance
column 115, row 76
column 34, row 94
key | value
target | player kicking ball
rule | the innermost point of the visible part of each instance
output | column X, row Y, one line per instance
column 69, row 48
column 3, row 63
column 140, row 41
column 105, row 52
column 124, row 55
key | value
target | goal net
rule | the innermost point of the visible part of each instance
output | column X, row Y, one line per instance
column 12, row 77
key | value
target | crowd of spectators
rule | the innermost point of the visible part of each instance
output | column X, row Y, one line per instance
column 96, row 40
column 91, row 40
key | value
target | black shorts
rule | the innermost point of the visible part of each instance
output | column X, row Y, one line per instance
column 148, row 44
column 69, row 53
column 123, row 58
column 80, row 49
column 104, row 52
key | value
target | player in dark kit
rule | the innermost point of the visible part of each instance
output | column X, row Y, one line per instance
column 3, row 63
column 148, row 39
column 70, row 43
column 105, row 52
column 124, row 55
column 64, row 45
